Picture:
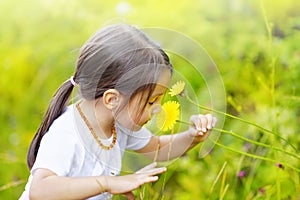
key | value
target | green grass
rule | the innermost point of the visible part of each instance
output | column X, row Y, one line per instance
column 254, row 50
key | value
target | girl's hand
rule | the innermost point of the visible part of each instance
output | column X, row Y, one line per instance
column 126, row 184
column 201, row 125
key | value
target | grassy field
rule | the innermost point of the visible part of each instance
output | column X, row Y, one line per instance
column 240, row 60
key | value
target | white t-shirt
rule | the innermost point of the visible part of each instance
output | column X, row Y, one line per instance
column 69, row 149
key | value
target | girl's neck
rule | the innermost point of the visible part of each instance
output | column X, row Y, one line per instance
column 98, row 116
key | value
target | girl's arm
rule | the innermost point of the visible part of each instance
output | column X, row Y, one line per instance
column 47, row 185
column 168, row 147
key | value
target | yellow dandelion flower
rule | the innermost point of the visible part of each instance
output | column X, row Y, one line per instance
column 168, row 115
column 177, row 88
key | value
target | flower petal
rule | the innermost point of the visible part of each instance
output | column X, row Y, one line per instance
column 177, row 88
column 168, row 116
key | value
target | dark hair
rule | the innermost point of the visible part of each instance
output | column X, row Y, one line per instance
column 117, row 56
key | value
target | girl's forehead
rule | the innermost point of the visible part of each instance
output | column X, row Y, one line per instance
column 164, row 79
column 159, row 90
column 162, row 84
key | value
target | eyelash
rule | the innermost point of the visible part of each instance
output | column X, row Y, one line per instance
column 152, row 102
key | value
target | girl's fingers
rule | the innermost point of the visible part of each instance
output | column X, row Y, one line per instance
column 151, row 179
column 203, row 121
column 195, row 119
column 151, row 169
column 209, row 118
column 195, row 122
column 214, row 121
column 199, row 122
column 150, row 166
column 154, row 171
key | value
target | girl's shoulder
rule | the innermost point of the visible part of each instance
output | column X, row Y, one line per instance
column 65, row 124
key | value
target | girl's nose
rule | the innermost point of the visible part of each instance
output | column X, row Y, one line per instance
column 155, row 109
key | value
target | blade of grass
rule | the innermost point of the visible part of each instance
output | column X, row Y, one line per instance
column 225, row 190
column 142, row 192
column 222, row 185
column 217, row 178
column 251, row 141
column 256, row 156
column 257, row 143
column 11, row 184
column 244, row 121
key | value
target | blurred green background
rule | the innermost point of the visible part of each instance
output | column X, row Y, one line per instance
column 255, row 45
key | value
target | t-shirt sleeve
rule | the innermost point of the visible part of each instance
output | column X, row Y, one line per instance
column 56, row 152
column 139, row 139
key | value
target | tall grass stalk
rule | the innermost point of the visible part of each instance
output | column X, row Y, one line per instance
column 223, row 189
column 217, row 179
column 256, row 156
column 224, row 192
column 11, row 185
column 142, row 192
column 257, row 143
column 250, row 141
column 245, row 121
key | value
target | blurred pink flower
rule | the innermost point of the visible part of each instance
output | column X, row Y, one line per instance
column 262, row 190
column 279, row 165
column 242, row 174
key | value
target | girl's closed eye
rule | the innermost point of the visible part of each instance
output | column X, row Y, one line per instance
column 152, row 101
column 155, row 100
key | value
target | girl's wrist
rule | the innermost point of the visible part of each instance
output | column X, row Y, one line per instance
column 190, row 135
column 195, row 137
column 102, row 183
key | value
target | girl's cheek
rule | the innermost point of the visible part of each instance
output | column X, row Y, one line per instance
column 127, row 118
column 137, row 120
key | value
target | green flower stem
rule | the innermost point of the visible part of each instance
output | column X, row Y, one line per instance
column 251, row 141
column 249, row 154
column 243, row 120
column 257, row 157
column 257, row 143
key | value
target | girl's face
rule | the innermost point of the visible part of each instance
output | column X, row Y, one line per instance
column 131, row 118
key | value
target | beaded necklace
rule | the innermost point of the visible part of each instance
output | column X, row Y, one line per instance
column 113, row 130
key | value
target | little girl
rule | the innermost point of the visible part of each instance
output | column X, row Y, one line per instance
column 77, row 151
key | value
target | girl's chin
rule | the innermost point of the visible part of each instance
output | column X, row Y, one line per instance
column 137, row 127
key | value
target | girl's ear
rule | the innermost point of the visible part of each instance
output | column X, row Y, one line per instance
column 111, row 99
